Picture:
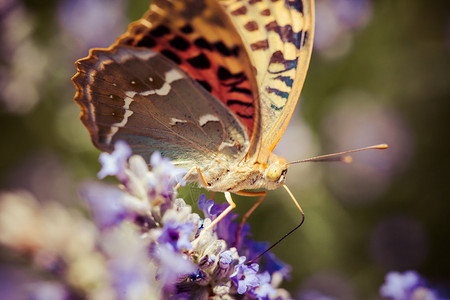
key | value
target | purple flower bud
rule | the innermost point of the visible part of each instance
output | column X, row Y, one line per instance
column 176, row 235
column 172, row 266
column 114, row 164
column 106, row 203
column 245, row 276
column 205, row 206
column 225, row 259
column 128, row 263
column 207, row 261
column 224, row 265
column 164, row 177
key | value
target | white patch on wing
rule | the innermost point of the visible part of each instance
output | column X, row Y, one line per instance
column 174, row 121
column 130, row 94
column 162, row 91
column 115, row 127
column 144, row 55
column 207, row 118
column 170, row 76
column 173, row 75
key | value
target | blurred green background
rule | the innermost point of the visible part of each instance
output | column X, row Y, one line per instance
column 379, row 74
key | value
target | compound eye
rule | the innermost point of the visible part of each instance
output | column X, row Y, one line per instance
column 274, row 172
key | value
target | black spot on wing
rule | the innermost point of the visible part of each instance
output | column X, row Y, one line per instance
column 224, row 50
column 243, row 104
column 172, row 56
column 187, row 29
column 205, row 84
column 245, row 91
column 147, row 42
column 160, row 31
column 220, row 46
column 231, row 102
column 223, row 73
column 179, row 43
column 244, row 116
column 203, row 43
column 199, row 62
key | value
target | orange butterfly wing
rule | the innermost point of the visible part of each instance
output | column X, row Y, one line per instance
column 278, row 36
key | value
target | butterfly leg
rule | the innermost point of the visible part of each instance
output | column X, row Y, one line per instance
column 224, row 213
column 261, row 195
column 205, row 184
column 202, row 178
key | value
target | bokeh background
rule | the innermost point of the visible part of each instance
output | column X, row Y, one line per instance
column 380, row 73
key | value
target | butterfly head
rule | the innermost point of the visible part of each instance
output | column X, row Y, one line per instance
column 275, row 172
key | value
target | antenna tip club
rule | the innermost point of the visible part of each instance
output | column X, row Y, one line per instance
column 347, row 159
column 381, row 146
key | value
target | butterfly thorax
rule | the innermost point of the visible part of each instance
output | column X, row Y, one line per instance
column 247, row 175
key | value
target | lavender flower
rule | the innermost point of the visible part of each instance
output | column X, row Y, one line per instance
column 207, row 207
column 173, row 267
column 130, row 269
column 164, row 176
column 245, row 276
column 106, row 202
column 408, row 285
column 176, row 235
column 150, row 245
column 265, row 290
column 188, row 260
column 114, row 164
column 271, row 263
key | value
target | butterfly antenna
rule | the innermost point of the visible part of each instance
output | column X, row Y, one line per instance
column 339, row 156
column 287, row 234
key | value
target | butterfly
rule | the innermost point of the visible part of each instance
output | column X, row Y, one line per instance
column 211, row 84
